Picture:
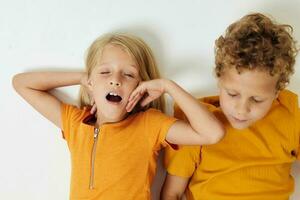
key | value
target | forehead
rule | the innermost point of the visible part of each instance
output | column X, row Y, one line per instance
column 249, row 81
column 116, row 55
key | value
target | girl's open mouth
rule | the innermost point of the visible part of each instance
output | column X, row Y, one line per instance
column 113, row 97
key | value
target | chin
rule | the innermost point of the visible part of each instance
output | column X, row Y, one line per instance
column 240, row 126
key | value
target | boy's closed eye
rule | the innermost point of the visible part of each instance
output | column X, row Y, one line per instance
column 257, row 100
column 232, row 94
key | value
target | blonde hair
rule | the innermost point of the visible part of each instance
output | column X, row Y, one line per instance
column 136, row 48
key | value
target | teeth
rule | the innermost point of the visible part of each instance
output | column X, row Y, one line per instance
column 114, row 94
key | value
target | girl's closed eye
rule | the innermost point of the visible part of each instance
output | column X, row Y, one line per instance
column 232, row 94
column 129, row 74
column 104, row 72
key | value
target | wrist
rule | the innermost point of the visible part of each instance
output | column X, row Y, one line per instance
column 168, row 84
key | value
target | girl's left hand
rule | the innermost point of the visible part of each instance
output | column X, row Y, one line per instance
column 148, row 90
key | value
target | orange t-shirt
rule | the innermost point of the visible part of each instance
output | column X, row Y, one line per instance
column 248, row 164
column 125, row 153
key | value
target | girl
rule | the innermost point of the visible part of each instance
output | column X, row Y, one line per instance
column 114, row 151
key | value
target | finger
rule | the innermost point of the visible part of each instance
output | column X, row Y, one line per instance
column 94, row 109
column 139, row 89
column 136, row 97
column 131, row 104
column 132, row 96
column 135, row 92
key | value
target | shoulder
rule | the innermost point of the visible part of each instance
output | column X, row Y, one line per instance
column 210, row 102
column 74, row 113
column 289, row 101
column 152, row 112
column 156, row 118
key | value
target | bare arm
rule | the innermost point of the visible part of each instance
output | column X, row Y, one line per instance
column 202, row 127
column 34, row 87
column 174, row 187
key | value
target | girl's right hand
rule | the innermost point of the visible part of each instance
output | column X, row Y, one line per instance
column 94, row 108
column 85, row 82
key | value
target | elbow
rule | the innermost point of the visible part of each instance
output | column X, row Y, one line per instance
column 16, row 81
column 19, row 82
column 217, row 136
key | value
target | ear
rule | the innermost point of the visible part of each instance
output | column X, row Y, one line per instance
column 89, row 84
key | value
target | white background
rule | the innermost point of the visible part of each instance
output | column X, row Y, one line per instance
column 54, row 34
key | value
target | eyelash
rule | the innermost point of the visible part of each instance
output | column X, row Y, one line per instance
column 126, row 74
column 256, row 101
column 129, row 75
column 234, row 95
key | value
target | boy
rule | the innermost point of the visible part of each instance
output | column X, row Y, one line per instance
column 254, row 61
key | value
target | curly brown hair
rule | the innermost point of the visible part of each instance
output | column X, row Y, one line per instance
column 257, row 42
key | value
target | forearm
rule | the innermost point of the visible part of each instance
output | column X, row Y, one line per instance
column 199, row 117
column 44, row 81
column 173, row 188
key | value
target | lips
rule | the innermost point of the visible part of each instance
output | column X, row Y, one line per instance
column 113, row 97
column 239, row 120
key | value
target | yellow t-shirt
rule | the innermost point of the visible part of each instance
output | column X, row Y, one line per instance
column 249, row 164
column 125, row 158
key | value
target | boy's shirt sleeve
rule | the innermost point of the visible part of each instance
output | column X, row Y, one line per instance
column 158, row 124
column 291, row 102
column 70, row 114
column 295, row 102
column 182, row 162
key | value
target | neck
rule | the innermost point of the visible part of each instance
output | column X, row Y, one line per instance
column 103, row 120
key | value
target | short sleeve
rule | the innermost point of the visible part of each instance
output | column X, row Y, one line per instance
column 158, row 124
column 182, row 162
column 69, row 115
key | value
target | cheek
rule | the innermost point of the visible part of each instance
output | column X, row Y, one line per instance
column 132, row 84
column 226, row 103
column 260, row 111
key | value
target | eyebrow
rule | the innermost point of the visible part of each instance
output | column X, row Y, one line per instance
column 129, row 65
column 233, row 90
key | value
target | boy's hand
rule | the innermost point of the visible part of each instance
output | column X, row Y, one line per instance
column 148, row 91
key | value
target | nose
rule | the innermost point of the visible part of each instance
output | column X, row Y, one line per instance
column 115, row 83
column 115, row 80
column 242, row 108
